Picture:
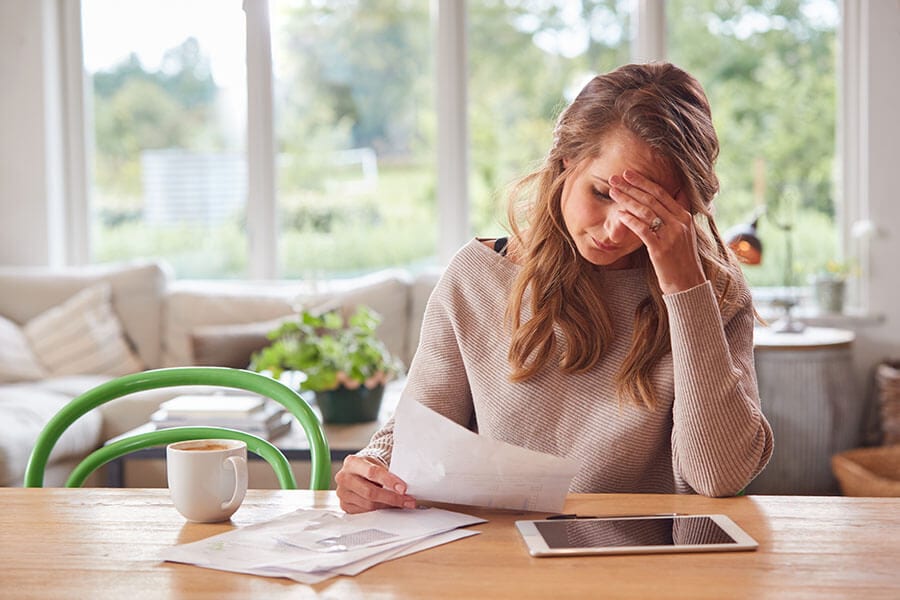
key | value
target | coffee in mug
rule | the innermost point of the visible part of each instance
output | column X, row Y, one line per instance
column 205, row 446
column 207, row 478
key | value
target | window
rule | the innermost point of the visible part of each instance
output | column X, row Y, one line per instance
column 169, row 97
column 353, row 183
column 354, row 114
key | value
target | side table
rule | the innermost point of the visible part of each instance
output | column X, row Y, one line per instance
column 807, row 391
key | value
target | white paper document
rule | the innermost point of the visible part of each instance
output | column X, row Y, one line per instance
column 442, row 461
column 310, row 546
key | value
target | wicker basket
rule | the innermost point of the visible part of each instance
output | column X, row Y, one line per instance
column 887, row 378
column 868, row 471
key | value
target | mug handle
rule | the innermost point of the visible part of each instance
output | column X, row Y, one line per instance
column 239, row 464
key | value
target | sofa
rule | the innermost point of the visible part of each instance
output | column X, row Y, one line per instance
column 64, row 331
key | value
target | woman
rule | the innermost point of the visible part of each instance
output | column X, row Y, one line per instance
column 614, row 326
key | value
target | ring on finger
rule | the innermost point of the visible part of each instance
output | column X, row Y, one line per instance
column 655, row 224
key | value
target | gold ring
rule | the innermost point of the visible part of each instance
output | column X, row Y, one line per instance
column 655, row 224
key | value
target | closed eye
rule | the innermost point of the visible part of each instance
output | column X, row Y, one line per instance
column 600, row 195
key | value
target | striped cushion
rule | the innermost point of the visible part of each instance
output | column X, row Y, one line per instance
column 17, row 361
column 82, row 336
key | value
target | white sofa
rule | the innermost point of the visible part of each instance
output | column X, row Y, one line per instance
column 65, row 331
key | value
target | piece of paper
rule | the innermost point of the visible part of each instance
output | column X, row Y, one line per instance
column 361, row 565
column 309, row 546
column 442, row 461
column 339, row 534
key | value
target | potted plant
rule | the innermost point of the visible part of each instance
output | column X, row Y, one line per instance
column 344, row 362
column 829, row 285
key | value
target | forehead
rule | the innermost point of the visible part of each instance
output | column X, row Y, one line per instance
column 620, row 149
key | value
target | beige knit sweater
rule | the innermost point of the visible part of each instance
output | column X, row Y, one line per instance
column 707, row 434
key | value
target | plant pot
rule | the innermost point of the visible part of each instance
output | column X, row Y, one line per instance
column 829, row 294
column 343, row 405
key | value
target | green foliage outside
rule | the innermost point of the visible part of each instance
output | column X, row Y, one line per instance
column 518, row 86
column 360, row 75
column 324, row 233
column 195, row 251
column 770, row 74
column 329, row 350
column 136, row 110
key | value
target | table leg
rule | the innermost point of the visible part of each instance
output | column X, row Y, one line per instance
column 115, row 473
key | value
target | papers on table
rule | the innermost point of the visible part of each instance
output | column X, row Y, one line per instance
column 444, row 462
column 310, row 546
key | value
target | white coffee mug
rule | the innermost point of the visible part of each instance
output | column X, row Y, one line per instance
column 207, row 478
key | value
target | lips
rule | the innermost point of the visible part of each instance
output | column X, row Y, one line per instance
column 605, row 246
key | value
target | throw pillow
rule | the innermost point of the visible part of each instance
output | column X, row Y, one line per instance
column 82, row 336
column 17, row 361
column 231, row 345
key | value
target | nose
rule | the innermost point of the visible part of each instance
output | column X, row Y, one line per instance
column 616, row 230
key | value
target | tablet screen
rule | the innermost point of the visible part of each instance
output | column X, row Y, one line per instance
column 581, row 533
column 688, row 533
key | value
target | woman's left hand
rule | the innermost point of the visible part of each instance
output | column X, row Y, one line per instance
column 665, row 226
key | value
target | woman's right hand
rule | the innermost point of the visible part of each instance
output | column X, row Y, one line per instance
column 364, row 484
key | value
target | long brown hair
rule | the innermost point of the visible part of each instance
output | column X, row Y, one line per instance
column 666, row 108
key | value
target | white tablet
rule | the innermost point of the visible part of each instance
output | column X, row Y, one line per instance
column 634, row 535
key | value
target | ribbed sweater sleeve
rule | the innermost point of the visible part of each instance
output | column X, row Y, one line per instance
column 720, row 439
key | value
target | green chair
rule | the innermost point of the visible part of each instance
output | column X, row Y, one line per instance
column 320, row 455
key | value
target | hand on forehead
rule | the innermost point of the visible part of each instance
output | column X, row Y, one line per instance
column 620, row 150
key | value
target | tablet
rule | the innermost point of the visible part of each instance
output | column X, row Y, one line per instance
column 634, row 535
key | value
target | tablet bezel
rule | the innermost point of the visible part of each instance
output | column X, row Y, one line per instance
column 537, row 546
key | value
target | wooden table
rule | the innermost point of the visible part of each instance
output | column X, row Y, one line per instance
column 105, row 543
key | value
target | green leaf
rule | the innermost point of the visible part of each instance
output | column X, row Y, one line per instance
column 323, row 345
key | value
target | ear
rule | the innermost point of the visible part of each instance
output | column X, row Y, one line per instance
column 566, row 163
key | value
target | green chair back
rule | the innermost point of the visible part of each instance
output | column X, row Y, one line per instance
column 257, row 445
column 320, row 455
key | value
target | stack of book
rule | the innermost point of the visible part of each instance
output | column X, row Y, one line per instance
column 252, row 414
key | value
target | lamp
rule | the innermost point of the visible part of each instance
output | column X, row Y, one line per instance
column 745, row 243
